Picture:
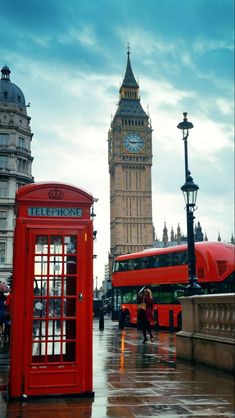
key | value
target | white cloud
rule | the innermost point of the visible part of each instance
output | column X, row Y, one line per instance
column 206, row 45
column 84, row 34
column 225, row 106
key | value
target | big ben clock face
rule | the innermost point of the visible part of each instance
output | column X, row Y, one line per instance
column 133, row 142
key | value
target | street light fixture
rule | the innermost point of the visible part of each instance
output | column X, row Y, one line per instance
column 185, row 126
column 189, row 190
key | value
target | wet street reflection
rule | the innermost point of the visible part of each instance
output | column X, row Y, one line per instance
column 136, row 380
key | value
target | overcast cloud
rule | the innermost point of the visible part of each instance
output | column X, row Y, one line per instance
column 69, row 59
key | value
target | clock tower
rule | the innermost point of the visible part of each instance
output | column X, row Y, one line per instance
column 130, row 162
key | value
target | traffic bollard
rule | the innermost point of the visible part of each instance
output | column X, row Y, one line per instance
column 120, row 322
column 156, row 327
column 101, row 319
column 171, row 320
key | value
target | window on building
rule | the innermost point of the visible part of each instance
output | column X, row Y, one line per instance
column 3, row 189
column 22, row 165
column 3, row 219
column 4, row 138
column 21, row 142
column 2, row 252
column 3, row 161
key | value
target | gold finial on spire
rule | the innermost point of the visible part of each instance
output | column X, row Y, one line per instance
column 128, row 48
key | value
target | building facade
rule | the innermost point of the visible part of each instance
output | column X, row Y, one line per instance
column 130, row 162
column 15, row 163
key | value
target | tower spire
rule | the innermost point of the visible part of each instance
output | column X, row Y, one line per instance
column 128, row 48
column 129, row 78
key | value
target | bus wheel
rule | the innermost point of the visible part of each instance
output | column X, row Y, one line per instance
column 179, row 321
column 126, row 317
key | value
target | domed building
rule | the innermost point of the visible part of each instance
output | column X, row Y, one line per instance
column 15, row 162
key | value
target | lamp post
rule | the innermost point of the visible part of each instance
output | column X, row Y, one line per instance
column 189, row 190
column 185, row 126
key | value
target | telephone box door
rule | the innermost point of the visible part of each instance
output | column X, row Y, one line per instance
column 54, row 313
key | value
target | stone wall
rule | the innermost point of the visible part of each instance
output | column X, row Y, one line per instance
column 208, row 330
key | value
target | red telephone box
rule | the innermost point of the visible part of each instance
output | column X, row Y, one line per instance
column 51, row 335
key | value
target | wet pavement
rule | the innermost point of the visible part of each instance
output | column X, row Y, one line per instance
column 134, row 380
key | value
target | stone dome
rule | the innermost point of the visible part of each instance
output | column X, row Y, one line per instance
column 9, row 92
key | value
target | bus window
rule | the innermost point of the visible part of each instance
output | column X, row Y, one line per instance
column 228, row 285
column 153, row 261
column 115, row 266
column 127, row 297
column 175, row 260
column 179, row 291
column 136, row 264
column 155, row 293
column 167, row 294
column 183, row 257
column 164, row 260
column 144, row 263
column 116, row 298
column 178, row 258
column 156, row 261
column 123, row 266
column 130, row 264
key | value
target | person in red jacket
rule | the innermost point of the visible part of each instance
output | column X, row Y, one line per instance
column 148, row 316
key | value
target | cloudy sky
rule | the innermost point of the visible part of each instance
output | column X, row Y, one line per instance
column 69, row 59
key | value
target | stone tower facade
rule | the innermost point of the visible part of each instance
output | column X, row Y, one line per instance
column 15, row 162
column 130, row 162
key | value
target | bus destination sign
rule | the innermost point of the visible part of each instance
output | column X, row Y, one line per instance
column 46, row 211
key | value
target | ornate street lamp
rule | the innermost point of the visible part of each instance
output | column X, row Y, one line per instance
column 185, row 126
column 189, row 190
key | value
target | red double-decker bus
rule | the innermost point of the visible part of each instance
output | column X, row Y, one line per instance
column 165, row 272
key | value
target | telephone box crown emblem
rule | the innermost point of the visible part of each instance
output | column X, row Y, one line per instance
column 55, row 194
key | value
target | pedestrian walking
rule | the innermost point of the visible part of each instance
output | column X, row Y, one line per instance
column 145, row 313
column 2, row 312
column 8, row 306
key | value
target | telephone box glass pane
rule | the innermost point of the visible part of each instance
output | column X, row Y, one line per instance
column 70, row 351
column 40, row 286
column 70, row 243
column 56, row 245
column 39, row 307
column 55, row 307
column 55, row 265
column 70, row 329
column 55, row 286
column 39, row 329
column 69, row 307
column 54, row 304
column 40, row 266
column 55, row 329
column 41, row 246
column 39, row 349
column 69, row 285
column 70, row 264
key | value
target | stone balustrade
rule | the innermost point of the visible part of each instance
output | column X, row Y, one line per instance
column 208, row 330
